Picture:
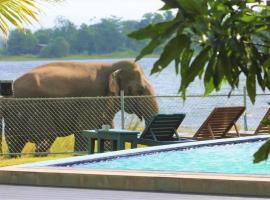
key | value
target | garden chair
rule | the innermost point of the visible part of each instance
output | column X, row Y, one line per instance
column 262, row 128
column 162, row 129
column 219, row 123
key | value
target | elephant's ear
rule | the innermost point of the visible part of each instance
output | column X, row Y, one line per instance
column 113, row 87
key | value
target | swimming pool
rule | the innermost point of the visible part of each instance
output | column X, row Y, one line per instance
column 232, row 156
column 227, row 158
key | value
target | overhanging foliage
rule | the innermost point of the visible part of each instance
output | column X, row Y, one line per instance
column 216, row 41
column 18, row 13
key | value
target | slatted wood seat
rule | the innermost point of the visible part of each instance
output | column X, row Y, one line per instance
column 262, row 128
column 162, row 129
column 219, row 123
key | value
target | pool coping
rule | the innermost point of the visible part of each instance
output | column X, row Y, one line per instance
column 231, row 184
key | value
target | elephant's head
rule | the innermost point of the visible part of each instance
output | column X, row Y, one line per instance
column 129, row 77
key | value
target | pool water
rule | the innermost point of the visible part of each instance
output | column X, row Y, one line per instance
column 229, row 158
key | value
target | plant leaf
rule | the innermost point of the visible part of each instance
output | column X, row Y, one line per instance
column 171, row 51
column 251, row 86
column 195, row 68
column 263, row 152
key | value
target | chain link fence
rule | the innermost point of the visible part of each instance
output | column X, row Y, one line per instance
column 54, row 125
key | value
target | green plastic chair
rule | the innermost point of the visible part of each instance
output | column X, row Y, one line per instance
column 162, row 130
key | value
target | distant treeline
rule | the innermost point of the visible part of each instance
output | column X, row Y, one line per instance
column 106, row 36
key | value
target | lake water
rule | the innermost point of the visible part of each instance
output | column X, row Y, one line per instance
column 167, row 83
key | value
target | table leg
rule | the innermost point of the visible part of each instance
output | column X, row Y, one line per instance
column 89, row 147
column 100, row 145
column 120, row 145
column 114, row 145
column 92, row 145
column 133, row 144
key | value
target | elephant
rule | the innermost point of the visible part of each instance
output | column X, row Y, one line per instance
column 76, row 79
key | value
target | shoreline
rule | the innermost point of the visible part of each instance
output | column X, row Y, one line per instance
column 74, row 57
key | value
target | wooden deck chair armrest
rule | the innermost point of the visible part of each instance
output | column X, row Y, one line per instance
column 210, row 131
column 236, row 129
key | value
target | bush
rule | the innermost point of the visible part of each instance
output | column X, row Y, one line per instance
column 21, row 43
column 57, row 47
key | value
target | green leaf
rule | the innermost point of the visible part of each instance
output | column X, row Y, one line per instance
column 148, row 49
column 172, row 51
column 226, row 67
column 266, row 122
column 185, row 61
column 208, row 76
column 251, row 86
column 266, row 64
column 169, row 4
column 248, row 18
column 152, row 30
column 218, row 74
column 263, row 152
column 192, row 6
column 157, row 34
column 195, row 68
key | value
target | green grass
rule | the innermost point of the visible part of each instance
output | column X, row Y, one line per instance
column 61, row 144
column 5, row 161
column 121, row 54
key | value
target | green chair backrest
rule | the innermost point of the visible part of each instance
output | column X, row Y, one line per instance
column 162, row 127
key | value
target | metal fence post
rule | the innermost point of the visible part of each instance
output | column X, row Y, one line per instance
column 2, row 134
column 245, row 104
column 122, row 109
column 2, row 125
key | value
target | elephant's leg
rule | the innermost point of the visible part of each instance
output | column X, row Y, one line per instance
column 44, row 145
column 15, row 145
column 80, row 143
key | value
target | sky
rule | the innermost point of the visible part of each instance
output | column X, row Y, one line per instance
column 82, row 11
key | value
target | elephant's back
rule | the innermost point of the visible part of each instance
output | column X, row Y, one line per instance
column 67, row 67
column 59, row 79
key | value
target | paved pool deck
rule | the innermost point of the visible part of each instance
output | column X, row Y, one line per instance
column 12, row 192
column 204, row 183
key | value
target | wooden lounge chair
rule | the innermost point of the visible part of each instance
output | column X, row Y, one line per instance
column 162, row 129
column 219, row 123
column 262, row 128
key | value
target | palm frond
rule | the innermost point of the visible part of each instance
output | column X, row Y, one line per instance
column 18, row 13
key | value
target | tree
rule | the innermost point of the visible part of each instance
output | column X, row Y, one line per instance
column 216, row 41
column 129, row 43
column 43, row 35
column 109, row 37
column 18, row 13
column 21, row 43
column 57, row 47
column 85, row 40
column 66, row 29
column 150, row 18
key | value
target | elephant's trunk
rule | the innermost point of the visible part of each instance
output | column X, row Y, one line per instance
column 144, row 107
